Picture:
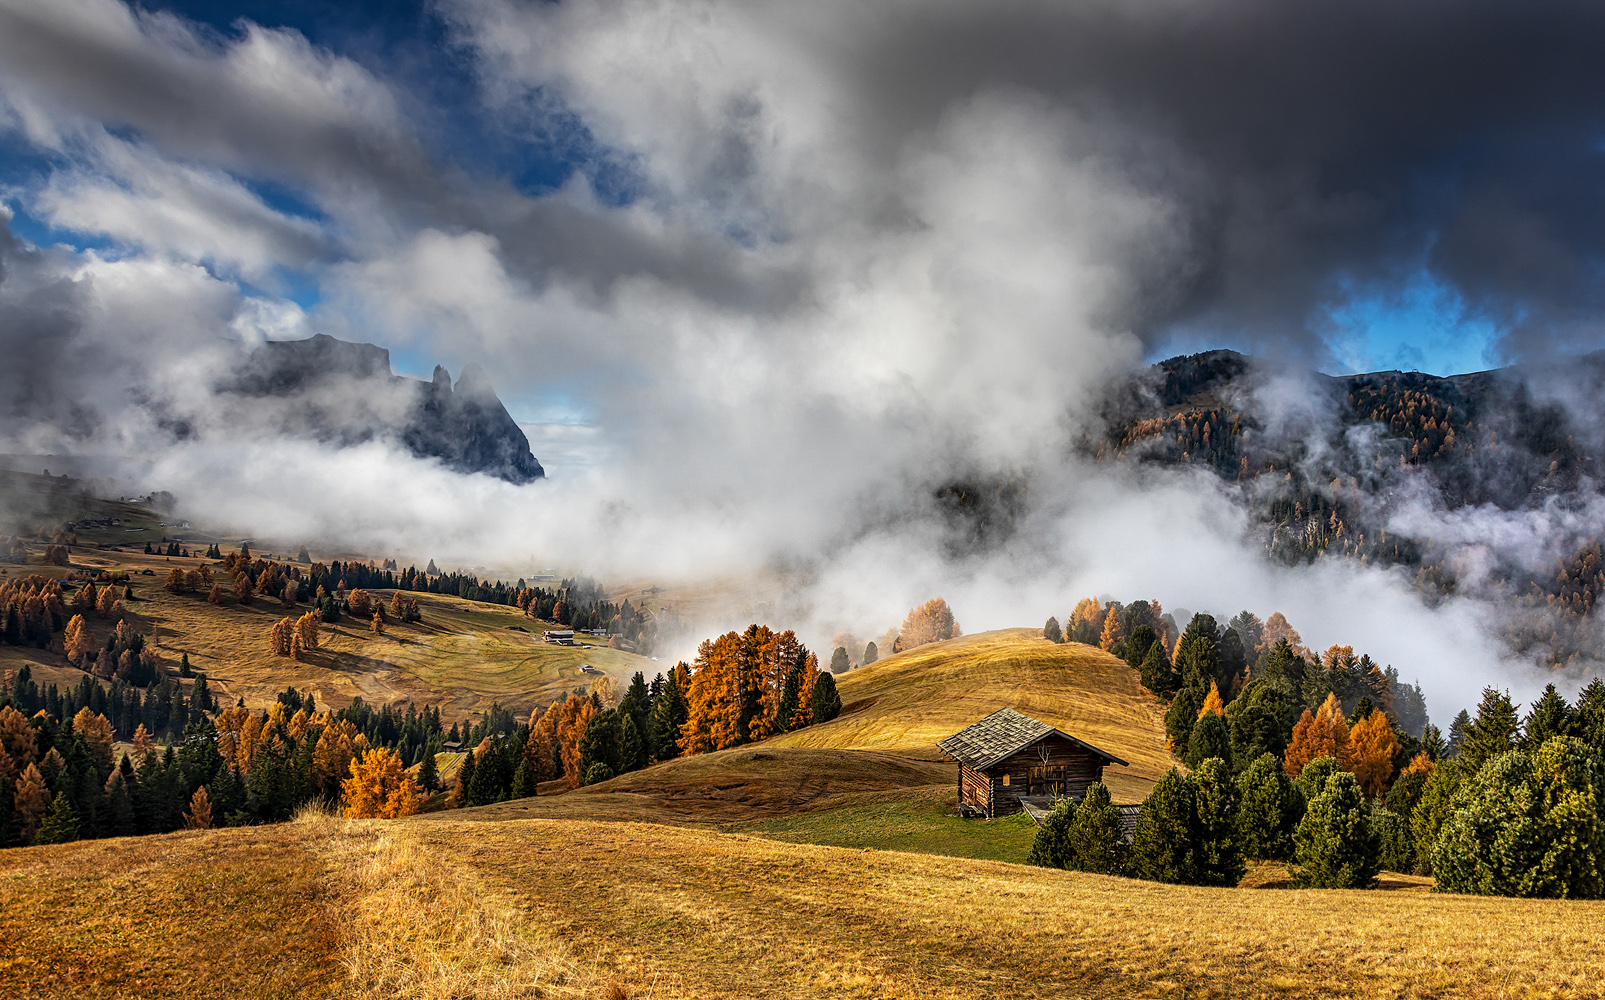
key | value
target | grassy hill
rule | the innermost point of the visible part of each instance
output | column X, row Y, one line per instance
column 904, row 704
column 454, row 908
column 462, row 656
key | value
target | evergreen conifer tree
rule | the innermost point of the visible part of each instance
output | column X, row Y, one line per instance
column 1210, row 738
column 1528, row 824
column 1142, row 638
column 1397, row 845
column 1220, row 860
column 827, row 703
column 1312, row 779
column 632, row 749
column 429, row 771
column 1491, row 734
column 1164, row 848
column 61, row 822
column 839, row 663
column 1094, row 834
column 1182, row 715
column 1051, row 848
column 871, row 653
column 1268, row 810
column 1157, row 675
column 668, row 715
column 1457, row 732
column 1589, row 716
column 1550, row 717
column 790, row 694
column 1336, row 845
column 523, row 781
column 1051, row 632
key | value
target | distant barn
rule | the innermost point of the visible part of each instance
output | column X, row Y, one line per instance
column 1008, row 757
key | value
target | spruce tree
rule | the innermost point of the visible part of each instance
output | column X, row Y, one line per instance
column 1589, row 716
column 465, row 778
column 668, row 715
column 523, row 781
column 1182, row 715
column 1491, row 734
column 1142, row 639
column 632, row 749
column 61, row 823
column 827, row 703
column 1267, row 810
column 1164, row 847
column 1220, row 860
column 839, row 662
column 1094, row 834
column 871, row 654
column 1550, row 717
column 1051, row 847
column 1457, row 732
column 1157, row 675
column 1051, row 632
column 1336, row 846
column 790, row 692
column 429, row 771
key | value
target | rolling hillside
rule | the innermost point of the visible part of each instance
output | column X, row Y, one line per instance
column 462, row 656
column 905, row 703
column 578, row 909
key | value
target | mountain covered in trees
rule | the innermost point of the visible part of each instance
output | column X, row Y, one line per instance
column 342, row 392
column 1399, row 469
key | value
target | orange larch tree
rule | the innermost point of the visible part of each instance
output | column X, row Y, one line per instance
column 1113, row 632
column 1372, row 749
column 380, row 787
column 1324, row 734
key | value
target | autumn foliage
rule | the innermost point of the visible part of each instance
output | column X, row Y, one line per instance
column 380, row 787
column 930, row 622
column 1324, row 734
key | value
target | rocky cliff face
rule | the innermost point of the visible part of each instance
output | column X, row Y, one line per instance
column 346, row 393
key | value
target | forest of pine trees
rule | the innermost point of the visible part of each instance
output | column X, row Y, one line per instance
column 1330, row 762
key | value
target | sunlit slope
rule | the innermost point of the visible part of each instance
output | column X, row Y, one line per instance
column 463, row 909
column 744, row 783
column 463, row 656
column 906, row 703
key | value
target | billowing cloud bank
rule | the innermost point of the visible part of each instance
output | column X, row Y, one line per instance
column 806, row 264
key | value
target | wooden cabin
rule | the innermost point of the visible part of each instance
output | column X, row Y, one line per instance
column 1007, row 757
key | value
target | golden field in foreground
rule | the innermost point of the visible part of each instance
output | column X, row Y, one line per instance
column 432, row 907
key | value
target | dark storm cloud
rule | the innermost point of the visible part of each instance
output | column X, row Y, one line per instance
column 1312, row 141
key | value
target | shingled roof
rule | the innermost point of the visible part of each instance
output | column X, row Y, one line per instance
column 1003, row 734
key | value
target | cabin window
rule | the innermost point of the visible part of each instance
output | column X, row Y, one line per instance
column 1005, row 779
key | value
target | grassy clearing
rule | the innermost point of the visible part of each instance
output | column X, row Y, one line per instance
column 918, row 820
column 452, row 908
column 906, row 703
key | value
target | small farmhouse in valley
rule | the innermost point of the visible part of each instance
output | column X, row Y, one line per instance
column 1007, row 757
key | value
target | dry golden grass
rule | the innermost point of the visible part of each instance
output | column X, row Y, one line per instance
column 742, row 784
column 224, row 913
column 420, row 923
column 906, row 703
column 453, row 908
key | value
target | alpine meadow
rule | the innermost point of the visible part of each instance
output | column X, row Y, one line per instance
column 656, row 499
